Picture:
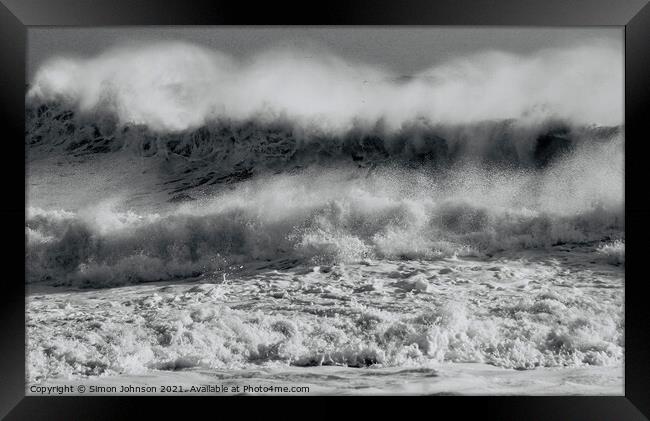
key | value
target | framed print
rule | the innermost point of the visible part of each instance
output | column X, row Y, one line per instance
column 442, row 202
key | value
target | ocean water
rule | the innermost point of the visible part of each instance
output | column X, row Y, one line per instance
column 298, row 237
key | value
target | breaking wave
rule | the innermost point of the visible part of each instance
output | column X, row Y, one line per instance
column 279, row 157
column 321, row 215
column 176, row 86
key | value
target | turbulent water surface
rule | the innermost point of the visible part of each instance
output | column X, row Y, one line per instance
column 439, row 247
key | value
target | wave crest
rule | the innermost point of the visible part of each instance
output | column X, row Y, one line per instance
column 176, row 86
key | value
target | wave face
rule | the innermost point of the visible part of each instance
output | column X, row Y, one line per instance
column 226, row 151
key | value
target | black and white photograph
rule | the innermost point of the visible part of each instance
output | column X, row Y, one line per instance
column 325, row 210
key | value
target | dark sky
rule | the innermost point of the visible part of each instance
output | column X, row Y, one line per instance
column 404, row 50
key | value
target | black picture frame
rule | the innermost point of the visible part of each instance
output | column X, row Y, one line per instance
column 17, row 15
